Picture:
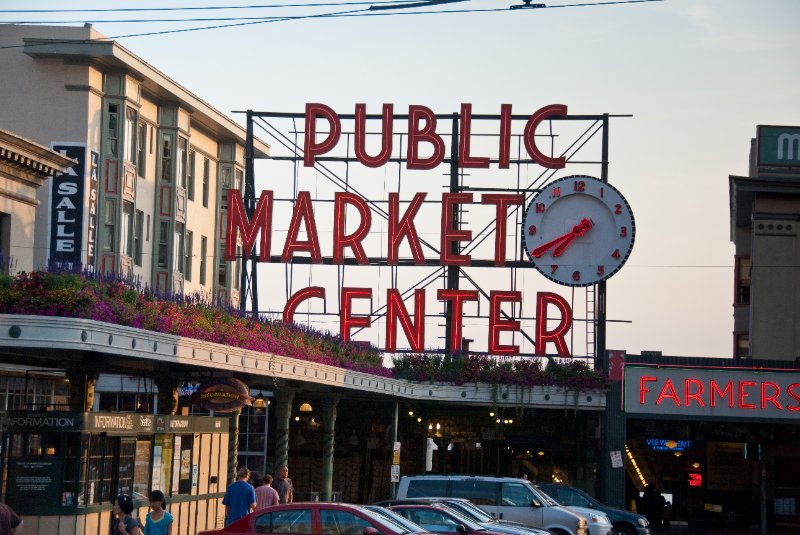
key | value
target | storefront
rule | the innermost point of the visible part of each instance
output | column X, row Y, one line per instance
column 719, row 441
column 63, row 470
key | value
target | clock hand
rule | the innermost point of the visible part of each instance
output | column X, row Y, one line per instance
column 562, row 242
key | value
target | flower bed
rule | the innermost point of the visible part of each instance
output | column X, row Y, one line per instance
column 123, row 302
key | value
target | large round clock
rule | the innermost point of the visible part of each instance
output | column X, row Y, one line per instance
column 578, row 230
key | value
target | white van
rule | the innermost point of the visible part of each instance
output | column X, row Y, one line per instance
column 505, row 497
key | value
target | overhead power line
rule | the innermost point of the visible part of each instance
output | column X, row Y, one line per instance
column 196, row 8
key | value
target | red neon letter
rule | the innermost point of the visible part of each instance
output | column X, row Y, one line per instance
column 237, row 221
column 688, row 394
column 395, row 309
column 347, row 321
column 456, row 298
column 553, row 110
column 643, row 390
column 776, row 391
column 715, row 391
column 361, row 135
column 404, row 228
column 304, row 212
column 557, row 335
column 497, row 325
column 668, row 391
column 502, row 202
column 795, row 396
column 427, row 133
column 310, row 147
column 340, row 239
column 505, row 136
column 298, row 297
column 464, row 159
column 743, row 394
column 448, row 254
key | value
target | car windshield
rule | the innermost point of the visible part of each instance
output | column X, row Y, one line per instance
column 471, row 510
column 438, row 519
column 403, row 523
column 543, row 497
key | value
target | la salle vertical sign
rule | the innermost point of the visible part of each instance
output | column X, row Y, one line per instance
column 66, row 207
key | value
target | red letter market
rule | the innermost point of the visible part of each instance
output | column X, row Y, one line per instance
column 302, row 238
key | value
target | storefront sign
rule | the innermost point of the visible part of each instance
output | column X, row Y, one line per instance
column 661, row 444
column 778, row 146
column 66, row 206
column 712, row 392
column 222, row 395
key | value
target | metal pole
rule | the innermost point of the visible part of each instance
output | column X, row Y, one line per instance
column 452, row 271
column 395, row 419
column 249, row 278
column 600, row 316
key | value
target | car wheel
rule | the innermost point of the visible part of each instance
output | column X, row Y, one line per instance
column 558, row 531
column 624, row 530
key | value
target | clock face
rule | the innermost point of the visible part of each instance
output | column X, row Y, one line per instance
column 578, row 230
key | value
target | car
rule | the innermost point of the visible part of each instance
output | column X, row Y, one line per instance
column 437, row 518
column 506, row 498
column 624, row 522
column 475, row 513
column 393, row 516
column 314, row 518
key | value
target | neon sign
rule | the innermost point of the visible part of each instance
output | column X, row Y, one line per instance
column 695, row 480
column 660, row 444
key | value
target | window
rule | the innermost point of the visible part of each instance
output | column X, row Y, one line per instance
column 163, row 244
column 181, row 173
column 126, row 234
column 5, row 243
column 226, row 184
column 166, row 157
column 111, row 130
column 190, row 172
column 287, row 521
column 338, row 522
column 222, row 273
column 422, row 488
column 741, row 345
column 237, row 270
column 188, row 262
column 100, row 469
column 130, row 135
column 203, row 254
column 109, row 223
column 141, row 146
column 138, row 224
column 516, row 495
column 206, row 178
column 743, row 266
column 179, row 252
column 478, row 492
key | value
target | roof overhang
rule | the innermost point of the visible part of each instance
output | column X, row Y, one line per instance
column 744, row 189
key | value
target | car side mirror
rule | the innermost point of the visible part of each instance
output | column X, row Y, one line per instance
column 536, row 503
column 461, row 528
column 369, row 530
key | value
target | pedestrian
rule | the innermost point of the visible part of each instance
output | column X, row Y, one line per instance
column 10, row 522
column 122, row 523
column 240, row 497
column 283, row 485
column 158, row 520
column 266, row 496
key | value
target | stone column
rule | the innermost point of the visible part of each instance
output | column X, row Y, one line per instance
column 329, row 405
column 81, row 389
column 283, row 412
column 168, row 385
column 233, row 443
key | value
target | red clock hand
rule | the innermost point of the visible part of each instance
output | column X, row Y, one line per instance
column 562, row 242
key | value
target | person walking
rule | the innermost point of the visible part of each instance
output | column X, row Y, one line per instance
column 158, row 520
column 122, row 523
column 266, row 496
column 240, row 497
column 283, row 485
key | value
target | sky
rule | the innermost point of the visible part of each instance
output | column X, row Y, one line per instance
column 696, row 76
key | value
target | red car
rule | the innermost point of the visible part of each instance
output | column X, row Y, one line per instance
column 313, row 518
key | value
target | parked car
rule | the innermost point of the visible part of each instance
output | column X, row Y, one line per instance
column 437, row 518
column 624, row 522
column 384, row 511
column 504, row 497
column 314, row 518
column 475, row 513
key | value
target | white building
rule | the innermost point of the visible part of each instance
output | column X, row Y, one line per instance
column 147, row 196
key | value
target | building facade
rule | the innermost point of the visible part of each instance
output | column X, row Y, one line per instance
column 147, row 199
column 765, row 216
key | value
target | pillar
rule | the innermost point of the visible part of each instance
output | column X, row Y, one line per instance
column 328, row 439
column 283, row 412
column 612, row 480
column 168, row 384
column 233, row 443
column 81, row 389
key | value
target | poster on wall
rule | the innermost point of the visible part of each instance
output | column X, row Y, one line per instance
column 727, row 467
column 34, row 485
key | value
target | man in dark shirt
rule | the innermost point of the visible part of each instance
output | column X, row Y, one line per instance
column 283, row 485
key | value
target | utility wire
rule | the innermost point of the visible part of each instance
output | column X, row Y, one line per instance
column 201, row 8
